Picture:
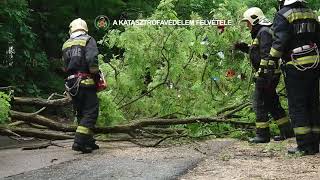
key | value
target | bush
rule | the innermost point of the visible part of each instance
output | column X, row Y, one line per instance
column 4, row 107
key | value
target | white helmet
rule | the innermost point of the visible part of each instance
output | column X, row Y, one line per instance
column 255, row 16
column 288, row 2
column 280, row 3
column 78, row 24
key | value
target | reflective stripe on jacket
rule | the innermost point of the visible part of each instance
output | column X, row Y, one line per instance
column 80, row 54
column 294, row 26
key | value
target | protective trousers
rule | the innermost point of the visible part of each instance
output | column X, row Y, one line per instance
column 303, row 98
column 86, row 105
column 266, row 101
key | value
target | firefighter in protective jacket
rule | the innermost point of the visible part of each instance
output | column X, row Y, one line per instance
column 80, row 54
column 296, row 41
column 266, row 99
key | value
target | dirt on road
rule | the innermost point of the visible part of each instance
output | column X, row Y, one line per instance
column 244, row 161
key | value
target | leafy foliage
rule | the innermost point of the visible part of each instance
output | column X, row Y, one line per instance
column 21, row 60
column 4, row 107
column 165, row 66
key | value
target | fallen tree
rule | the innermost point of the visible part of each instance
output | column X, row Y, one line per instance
column 45, row 128
column 128, row 128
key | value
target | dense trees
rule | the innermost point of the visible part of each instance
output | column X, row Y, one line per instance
column 32, row 33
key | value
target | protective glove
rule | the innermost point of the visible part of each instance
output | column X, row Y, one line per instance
column 263, row 69
column 272, row 66
column 266, row 74
column 241, row 46
column 268, row 67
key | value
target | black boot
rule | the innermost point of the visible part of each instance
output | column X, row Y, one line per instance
column 316, row 147
column 259, row 139
column 278, row 138
column 283, row 137
column 82, row 143
column 93, row 144
column 286, row 132
column 83, row 148
column 262, row 136
column 308, row 150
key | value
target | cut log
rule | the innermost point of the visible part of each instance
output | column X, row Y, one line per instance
column 31, row 132
column 40, row 101
column 41, row 120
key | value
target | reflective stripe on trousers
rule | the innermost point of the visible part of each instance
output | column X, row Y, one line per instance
column 84, row 130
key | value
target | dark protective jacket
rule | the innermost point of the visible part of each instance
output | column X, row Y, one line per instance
column 80, row 54
column 260, row 47
column 294, row 26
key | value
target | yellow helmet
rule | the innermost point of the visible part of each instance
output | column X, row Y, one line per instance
column 255, row 16
column 78, row 24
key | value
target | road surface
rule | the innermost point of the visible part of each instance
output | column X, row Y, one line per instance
column 112, row 161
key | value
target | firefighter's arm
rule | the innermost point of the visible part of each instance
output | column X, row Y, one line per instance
column 92, row 56
column 281, row 37
column 265, row 43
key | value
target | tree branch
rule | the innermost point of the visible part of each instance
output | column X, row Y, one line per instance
column 218, row 87
column 40, row 101
column 228, row 108
column 153, row 122
column 31, row 132
column 185, row 66
column 116, row 72
column 204, row 70
column 236, row 110
column 41, row 120
column 141, row 96
column 8, row 87
column 158, row 85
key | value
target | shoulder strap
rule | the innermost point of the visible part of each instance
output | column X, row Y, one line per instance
column 78, row 41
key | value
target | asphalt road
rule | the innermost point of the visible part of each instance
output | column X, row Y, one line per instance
column 113, row 161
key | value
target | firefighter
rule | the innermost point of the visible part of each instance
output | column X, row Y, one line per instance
column 296, row 41
column 266, row 100
column 80, row 53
